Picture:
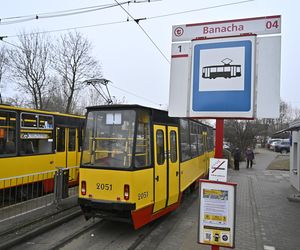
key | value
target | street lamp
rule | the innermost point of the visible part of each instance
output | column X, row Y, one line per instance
column 97, row 82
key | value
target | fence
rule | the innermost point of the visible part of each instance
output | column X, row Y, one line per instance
column 21, row 194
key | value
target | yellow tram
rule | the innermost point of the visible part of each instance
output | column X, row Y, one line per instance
column 34, row 142
column 137, row 162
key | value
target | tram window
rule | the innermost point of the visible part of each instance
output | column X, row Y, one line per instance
column 29, row 120
column 61, row 140
column 194, row 138
column 72, row 139
column 108, row 144
column 200, row 141
column 36, row 146
column 173, row 146
column 45, row 122
column 185, row 147
column 80, row 132
column 7, row 133
column 160, row 152
column 142, row 146
column 210, row 140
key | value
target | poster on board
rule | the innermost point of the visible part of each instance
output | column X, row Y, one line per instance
column 217, row 213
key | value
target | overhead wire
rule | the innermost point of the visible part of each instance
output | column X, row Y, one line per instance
column 200, row 9
column 137, row 22
column 133, row 94
column 77, row 9
column 124, row 21
column 62, row 13
column 72, row 28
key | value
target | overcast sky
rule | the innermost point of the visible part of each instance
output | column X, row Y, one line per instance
column 128, row 57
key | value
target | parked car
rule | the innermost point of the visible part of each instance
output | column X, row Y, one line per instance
column 273, row 143
column 270, row 141
column 283, row 146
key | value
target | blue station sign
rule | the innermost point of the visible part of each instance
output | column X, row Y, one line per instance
column 222, row 80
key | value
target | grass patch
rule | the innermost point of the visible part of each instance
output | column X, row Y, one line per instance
column 281, row 162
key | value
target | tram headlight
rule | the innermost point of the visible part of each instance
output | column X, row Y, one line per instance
column 126, row 192
column 83, row 187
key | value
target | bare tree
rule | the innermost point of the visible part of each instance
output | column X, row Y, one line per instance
column 29, row 64
column 54, row 101
column 74, row 63
column 3, row 67
column 240, row 133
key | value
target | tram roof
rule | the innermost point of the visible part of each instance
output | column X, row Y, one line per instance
column 15, row 108
column 159, row 115
column 122, row 106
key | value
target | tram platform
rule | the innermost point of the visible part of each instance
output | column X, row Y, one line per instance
column 265, row 218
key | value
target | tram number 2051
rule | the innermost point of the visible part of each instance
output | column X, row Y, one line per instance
column 142, row 195
column 102, row 186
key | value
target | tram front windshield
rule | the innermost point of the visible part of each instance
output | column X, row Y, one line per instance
column 109, row 139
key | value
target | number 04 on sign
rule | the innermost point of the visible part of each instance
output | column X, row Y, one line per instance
column 218, row 169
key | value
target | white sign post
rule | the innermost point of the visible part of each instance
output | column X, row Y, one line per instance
column 226, row 69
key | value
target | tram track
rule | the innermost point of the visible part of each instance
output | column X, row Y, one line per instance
column 113, row 235
column 75, row 235
column 70, row 230
column 24, row 232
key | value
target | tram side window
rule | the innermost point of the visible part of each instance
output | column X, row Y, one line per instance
column 210, row 140
column 185, row 140
column 45, row 122
column 7, row 133
column 173, row 146
column 194, row 139
column 142, row 148
column 160, row 152
column 72, row 139
column 200, row 141
column 61, row 140
column 80, row 135
column 29, row 120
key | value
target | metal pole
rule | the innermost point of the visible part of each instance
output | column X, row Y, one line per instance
column 219, row 150
column 219, row 138
column 215, row 247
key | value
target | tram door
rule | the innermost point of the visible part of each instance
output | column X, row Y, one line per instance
column 160, row 169
column 173, row 162
column 66, row 153
column 166, row 172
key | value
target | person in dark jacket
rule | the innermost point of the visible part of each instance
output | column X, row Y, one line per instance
column 237, row 158
column 249, row 157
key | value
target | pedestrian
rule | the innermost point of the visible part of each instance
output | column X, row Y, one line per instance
column 249, row 157
column 237, row 158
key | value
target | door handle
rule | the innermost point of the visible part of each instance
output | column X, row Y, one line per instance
column 157, row 178
column 177, row 173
